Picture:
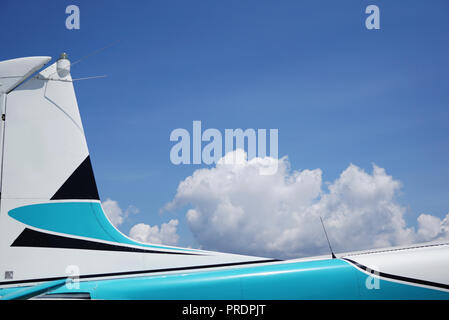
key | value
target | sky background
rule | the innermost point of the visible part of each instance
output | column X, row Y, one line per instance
column 339, row 94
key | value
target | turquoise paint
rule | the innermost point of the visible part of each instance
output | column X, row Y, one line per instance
column 29, row 292
column 84, row 219
column 7, row 291
column 323, row 279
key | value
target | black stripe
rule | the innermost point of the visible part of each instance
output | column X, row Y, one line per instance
column 80, row 185
column 128, row 273
column 37, row 239
column 396, row 277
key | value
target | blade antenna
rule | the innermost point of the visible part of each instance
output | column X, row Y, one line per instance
column 327, row 238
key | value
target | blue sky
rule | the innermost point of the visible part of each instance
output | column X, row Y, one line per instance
column 337, row 92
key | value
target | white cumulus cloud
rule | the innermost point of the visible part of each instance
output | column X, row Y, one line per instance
column 433, row 228
column 165, row 234
column 115, row 214
column 236, row 209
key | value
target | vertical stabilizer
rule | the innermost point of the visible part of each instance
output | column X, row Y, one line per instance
column 51, row 219
column 43, row 124
column 12, row 73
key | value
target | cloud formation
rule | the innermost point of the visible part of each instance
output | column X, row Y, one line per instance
column 115, row 214
column 432, row 228
column 236, row 209
column 166, row 234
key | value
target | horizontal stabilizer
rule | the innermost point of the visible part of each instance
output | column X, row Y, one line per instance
column 15, row 71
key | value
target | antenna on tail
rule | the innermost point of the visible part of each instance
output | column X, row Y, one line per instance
column 327, row 238
column 66, row 68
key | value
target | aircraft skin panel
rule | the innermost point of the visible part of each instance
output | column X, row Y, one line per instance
column 95, row 225
column 83, row 236
column 44, row 143
column 30, row 292
column 430, row 263
column 314, row 279
column 50, row 263
column 333, row 279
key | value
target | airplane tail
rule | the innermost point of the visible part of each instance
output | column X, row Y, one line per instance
column 51, row 217
column 45, row 155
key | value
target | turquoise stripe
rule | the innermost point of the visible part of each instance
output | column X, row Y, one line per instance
column 324, row 279
column 84, row 219
column 321, row 279
column 29, row 292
